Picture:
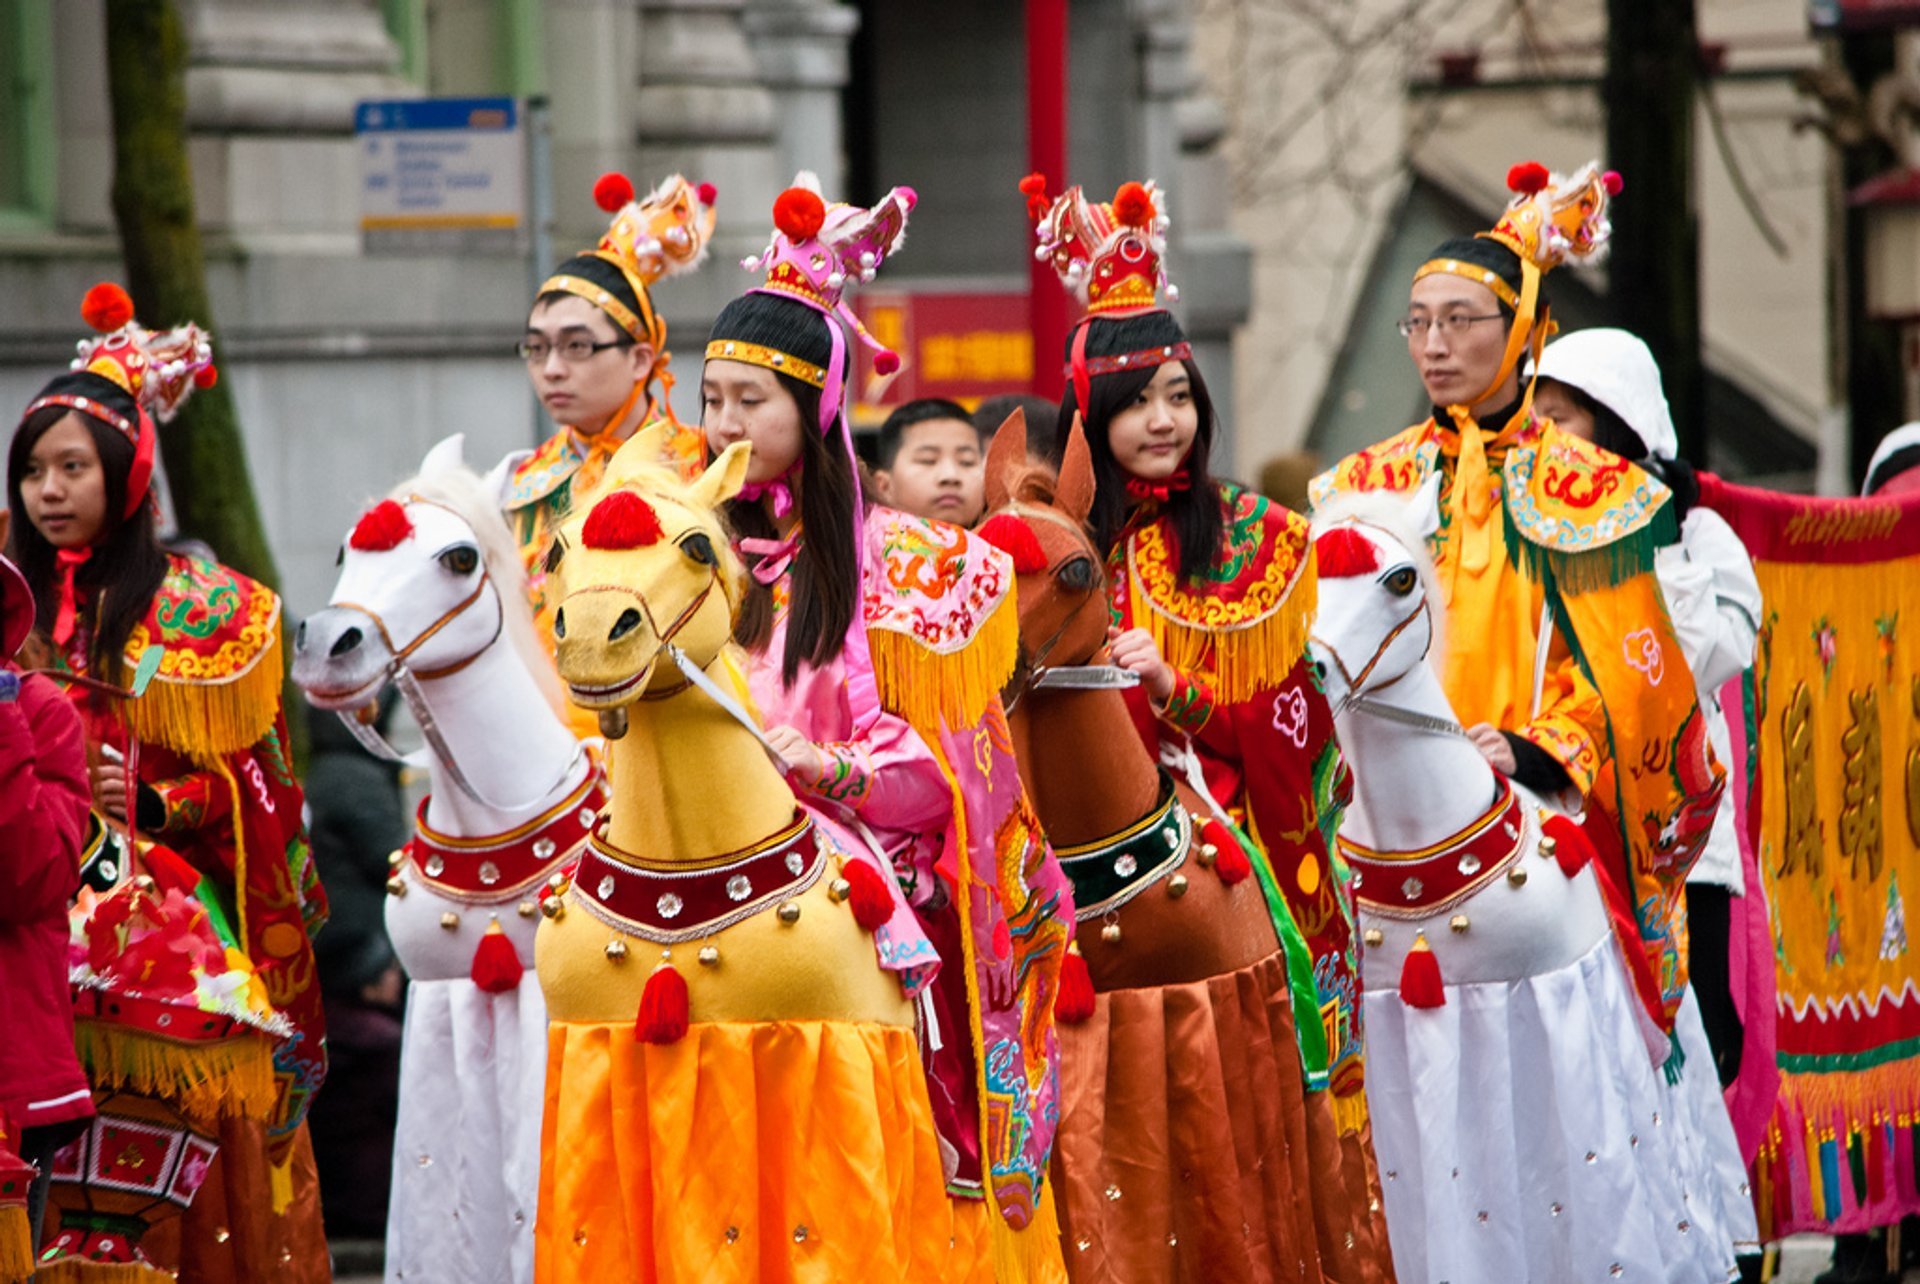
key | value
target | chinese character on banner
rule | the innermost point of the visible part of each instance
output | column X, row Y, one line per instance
column 962, row 346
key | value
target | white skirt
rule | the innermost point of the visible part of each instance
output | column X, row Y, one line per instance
column 466, row 1155
column 1523, row 1134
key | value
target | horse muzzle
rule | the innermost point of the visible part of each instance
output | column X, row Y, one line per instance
column 606, row 647
column 340, row 658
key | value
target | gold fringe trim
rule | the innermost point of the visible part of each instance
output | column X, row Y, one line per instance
column 230, row 1078
column 928, row 688
column 1239, row 662
column 206, row 720
column 71, row 1270
column 280, row 1180
column 1349, row 1113
column 16, row 1243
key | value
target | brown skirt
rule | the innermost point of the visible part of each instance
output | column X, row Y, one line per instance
column 230, row 1233
column 1190, row 1150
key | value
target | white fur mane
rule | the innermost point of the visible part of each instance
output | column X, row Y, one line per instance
column 462, row 491
column 1399, row 519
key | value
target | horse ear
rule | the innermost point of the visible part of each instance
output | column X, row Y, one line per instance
column 1006, row 458
column 448, row 455
column 724, row 476
column 1074, row 493
column 1425, row 506
column 645, row 449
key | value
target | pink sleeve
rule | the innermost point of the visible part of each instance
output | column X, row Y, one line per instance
column 888, row 777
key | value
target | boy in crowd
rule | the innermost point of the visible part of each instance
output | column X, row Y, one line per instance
column 932, row 462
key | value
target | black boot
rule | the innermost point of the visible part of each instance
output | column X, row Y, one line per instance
column 1859, row 1259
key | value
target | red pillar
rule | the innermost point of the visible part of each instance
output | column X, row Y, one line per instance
column 1047, row 154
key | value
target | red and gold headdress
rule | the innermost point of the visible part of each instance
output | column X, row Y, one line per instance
column 158, row 370
column 661, row 236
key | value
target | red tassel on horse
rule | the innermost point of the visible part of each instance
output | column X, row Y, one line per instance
column 867, row 895
column 1229, row 859
column 1571, row 846
column 663, row 1007
column 1420, row 982
column 496, row 964
column 1074, row 1002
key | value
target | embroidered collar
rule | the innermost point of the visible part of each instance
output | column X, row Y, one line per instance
column 1421, row 884
column 497, row 868
column 1112, row 871
column 668, row 905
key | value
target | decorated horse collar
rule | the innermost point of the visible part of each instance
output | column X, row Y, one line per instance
column 1112, row 871
column 1433, row 880
column 496, row 868
column 671, row 904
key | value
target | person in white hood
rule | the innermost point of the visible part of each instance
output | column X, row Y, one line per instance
column 1603, row 385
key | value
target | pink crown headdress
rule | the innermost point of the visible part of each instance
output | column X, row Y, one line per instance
column 1110, row 254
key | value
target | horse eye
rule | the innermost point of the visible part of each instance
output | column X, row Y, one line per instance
column 461, row 559
column 555, row 551
column 1077, row 574
column 1401, row 582
column 340, row 556
column 699, row 548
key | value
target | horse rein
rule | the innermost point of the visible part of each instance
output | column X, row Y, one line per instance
column 1037, row 671
column 1360, row 702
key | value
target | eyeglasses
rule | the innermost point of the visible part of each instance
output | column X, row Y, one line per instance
column 571, row 350
column 1454, row 323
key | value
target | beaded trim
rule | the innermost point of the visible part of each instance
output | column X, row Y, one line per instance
column 773, row 359
column 1134, row 360
column 1435, row 880
column 1472, row 272
column 641, row 900
column 495, row 869
column 598, row 296
column 87, row 405
column 1109, row 873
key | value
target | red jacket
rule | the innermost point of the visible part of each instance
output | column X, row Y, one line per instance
column 43, row 824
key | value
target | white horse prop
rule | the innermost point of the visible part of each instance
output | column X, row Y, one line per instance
column 432, row 597
column 1523, row 1128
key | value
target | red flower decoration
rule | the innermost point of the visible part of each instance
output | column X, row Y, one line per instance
column 621, row 520
column 106, row 307
column 611, row 191
column 1344, row 552
column 383, row 527
column 799, row 213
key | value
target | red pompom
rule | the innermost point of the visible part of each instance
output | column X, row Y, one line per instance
column 206, row 377
column 1420, row 982
column 106, row 307
column 799, row 213
column 1229, row 858
column 1132, row 205
column 707, row 193
column 1572, row 849
column 382, row 527
column 1344, row 552
column 621, row 520
column 496, row 964
column 169, row 870
column 663, row 1008
column 1612, row 181
column 886, row 361
column 1073, row 1003
column 612, row 190
column 1528, row 177
column 867, row 897
column 1012, row 536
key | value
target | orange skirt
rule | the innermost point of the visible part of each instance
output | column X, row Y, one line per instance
column 778, row 1153
column 1190, row 1150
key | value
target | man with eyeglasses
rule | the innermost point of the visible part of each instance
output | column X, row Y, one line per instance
column 596, row 352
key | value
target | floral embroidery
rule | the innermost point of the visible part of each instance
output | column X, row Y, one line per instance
column 1826, row 644
column 1190, row 705
column 933, row 586
column 1642, row 650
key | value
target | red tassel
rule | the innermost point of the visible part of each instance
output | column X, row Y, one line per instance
column 106, row 307
column 1012, row 536
column 663, row 1007
column 170, row 870
column 621, row 520
column 1571, row 846
column 496, row 964
column 1229, row 860
column 799, row 213
column 871, row 903
column 707, row 193
column 1528, row 177
column 1344, row 552
column 612, row 190
column 382, row 527
column 1420, row 983
column 1074, row 1001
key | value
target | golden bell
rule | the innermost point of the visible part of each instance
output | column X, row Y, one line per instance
column 1177, row 886
column 553, row 907
column 1547, row 843
column 450, row 921
column 1205, row 855
column 789, row 912
column 142, row 882
column 616, row 950
column 528, row 909
column 1517, row 876
column 1459, row 924
column 558, row 883
column 396, row 858
column 839, row 889
column 1374, row 937
column 709, row 956
column 396, row 886
column 1110, row 933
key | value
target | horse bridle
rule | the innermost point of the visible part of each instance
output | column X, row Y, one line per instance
column 1036, row 670
column 1361, row 702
